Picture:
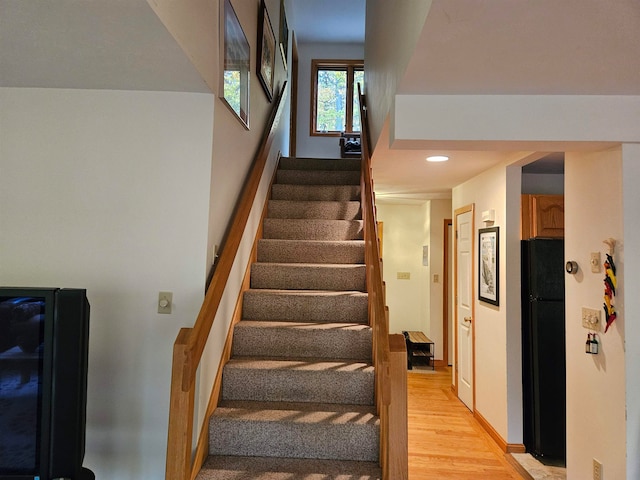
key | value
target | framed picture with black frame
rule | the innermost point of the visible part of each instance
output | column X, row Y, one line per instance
column 489, row 265
column 284, row 34
column 266, row 51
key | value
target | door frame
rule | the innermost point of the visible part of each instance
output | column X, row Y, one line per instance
column 293, row 120
column 459, row 211
column 445, row 292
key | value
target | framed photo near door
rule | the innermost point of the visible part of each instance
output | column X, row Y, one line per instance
column 488, row 265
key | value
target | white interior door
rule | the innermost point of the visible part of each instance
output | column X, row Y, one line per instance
column 464, row 305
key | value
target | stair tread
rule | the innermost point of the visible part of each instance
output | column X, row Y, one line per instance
column 326, row 267
column 277, row 291
column 274, row 468
column 303, row 325
column 336, row 243
column 298, row 412
column 311, row 364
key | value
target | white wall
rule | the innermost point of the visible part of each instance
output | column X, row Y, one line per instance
column 546, row 121
column 392, row 30
column 235, row 146
column 109, row 191
column 405, row 231
column 595, row 383
column 437, row 212
column 543, row 183
column 194, row 26
column 415, row 304
column 488, row 191
column 308, row 146
column 631, row 279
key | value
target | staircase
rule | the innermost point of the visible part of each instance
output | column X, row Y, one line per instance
column 297, row 397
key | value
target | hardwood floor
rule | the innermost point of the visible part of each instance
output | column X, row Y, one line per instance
column 445, row 441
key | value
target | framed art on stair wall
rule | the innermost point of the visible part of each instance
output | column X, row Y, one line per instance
column 266, row 51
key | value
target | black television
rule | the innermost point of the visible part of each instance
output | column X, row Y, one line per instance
column 44, row 337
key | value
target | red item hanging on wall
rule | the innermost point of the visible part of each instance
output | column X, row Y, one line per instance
column 610, row 284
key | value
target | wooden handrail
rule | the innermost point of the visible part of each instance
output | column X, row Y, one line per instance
column 390, row 365
column 190, row 343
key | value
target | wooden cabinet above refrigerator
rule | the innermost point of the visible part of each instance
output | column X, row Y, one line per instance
column 542, row 216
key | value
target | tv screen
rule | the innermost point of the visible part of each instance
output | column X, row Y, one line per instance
column 44, row 337
column 21, row 382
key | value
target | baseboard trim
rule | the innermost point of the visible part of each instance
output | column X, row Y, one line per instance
column 501, row 442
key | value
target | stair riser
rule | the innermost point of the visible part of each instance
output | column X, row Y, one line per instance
column 292, row 251
column 323, row 386
column 302, row 341
column 314, row 210
column 308, row 277
column 317, row 177
column 347, row 308
column 289, row 229
column 328, row 193
column 289, row 163
column 270, row 468
column 266, row 439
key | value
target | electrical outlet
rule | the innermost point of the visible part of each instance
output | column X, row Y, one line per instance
column 591, row 318
column 403, row 276
column 597, row 470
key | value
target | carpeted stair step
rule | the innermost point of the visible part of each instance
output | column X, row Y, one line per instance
column 318, row 177
column 310, row 251
column 302, row 339
column 335, row 193
column 266, row 468
column 291, row 163
column 305, row 306
column 314, row 380
column 312, row 229
column 308, row 276
column 314, row 209
column 295, row 430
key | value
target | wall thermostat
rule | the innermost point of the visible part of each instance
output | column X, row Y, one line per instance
column 571, row 267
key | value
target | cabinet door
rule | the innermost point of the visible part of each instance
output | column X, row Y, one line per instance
column 547, row 213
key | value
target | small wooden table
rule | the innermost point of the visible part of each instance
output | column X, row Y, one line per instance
column 419, row 346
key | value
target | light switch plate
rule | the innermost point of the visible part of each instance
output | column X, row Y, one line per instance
column 403, row 276
column 591, row 318
column 165, row 302
column 595, row 262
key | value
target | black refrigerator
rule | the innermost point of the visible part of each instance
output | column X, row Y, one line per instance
column 543, row 350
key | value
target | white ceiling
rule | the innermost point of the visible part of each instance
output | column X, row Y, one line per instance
column 466, row 47
column 320, row 21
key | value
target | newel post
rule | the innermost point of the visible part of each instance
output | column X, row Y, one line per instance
column 398, row 422
column 179, row 441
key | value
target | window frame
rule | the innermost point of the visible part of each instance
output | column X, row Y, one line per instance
column 350, row 66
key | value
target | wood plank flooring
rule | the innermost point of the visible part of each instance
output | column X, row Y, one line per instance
column 445, row 441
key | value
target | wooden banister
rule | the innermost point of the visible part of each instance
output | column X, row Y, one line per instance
column 191, row 342
column 390, row 364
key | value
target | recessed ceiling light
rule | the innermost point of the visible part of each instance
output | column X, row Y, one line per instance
column 437, row 158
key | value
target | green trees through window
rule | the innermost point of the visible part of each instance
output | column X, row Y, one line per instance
column 336, row 106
